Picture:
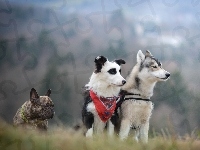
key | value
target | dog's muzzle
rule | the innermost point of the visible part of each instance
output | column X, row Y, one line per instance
column 48, row 113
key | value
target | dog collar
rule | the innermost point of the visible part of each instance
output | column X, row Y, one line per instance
column 22, row 114
column 105, row 106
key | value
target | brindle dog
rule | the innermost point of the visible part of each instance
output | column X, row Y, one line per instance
column 35, row 112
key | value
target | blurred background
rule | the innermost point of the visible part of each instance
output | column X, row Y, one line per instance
column 52, row 44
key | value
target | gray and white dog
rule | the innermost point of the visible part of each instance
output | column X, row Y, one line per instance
column 136, row 106
column 35, row 112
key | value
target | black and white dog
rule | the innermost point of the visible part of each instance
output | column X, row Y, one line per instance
column 101, row 95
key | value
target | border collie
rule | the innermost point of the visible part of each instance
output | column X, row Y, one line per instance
column 101, row 94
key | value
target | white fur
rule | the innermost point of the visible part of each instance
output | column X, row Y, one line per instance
column 136, row 113
column 105, row 85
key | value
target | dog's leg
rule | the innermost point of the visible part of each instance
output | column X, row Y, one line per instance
column 124, row 129
column 110, row 128
column 98, row 125
column 88, row 121
column 89, row 132
column 136, row 134
column 144, row 132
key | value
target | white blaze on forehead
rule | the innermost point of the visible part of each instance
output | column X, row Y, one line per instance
column 98, row 57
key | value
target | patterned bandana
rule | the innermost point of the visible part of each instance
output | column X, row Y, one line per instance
column 105, row 106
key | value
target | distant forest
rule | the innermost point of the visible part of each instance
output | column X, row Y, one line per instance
column 45, row 49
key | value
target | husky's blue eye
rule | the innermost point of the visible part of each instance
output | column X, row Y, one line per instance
column 112, row 71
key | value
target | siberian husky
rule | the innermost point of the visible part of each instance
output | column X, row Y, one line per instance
column 101, row 95
column 136, row 106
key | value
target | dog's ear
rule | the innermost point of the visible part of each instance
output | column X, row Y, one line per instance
column 120, row 61
column 140, row 56
column 99, row 62
column 148, row 54
column 48, row 93
column 33, row 94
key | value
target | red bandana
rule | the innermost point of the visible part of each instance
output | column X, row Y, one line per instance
column 105, row 106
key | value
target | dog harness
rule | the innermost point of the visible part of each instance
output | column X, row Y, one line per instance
column 105, row 106
column 123, row 98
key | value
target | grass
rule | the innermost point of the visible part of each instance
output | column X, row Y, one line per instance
column 66, row 139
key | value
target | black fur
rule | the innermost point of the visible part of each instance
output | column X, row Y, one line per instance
column 33, row 94
column 137, row 82
column 48, row 93
column 99, row 62
column 87, row 117
column 112, row 71
column 156, row 60
column 141, row 67
column 115, row 118
column 120, row 61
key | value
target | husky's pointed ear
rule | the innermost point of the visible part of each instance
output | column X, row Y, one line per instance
column 99, row 62
column 148, row 54
column 33, row 95
column 120, row 61
column 140, row 56
column 48, row 93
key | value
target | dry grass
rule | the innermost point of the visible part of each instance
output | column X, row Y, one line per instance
column 66, row 139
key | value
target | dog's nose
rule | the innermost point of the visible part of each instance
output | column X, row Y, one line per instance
column 123, row 82
column 167, row 75
column 52, row 114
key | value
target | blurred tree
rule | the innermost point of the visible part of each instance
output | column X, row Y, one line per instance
column 175, row 94
column 54, row 78
column 7, row 54
column 115, row 50
column 117, row 18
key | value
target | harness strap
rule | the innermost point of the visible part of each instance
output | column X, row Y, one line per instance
column 122, row 98
column 136, row 99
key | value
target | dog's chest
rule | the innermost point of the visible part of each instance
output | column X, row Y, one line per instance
column 137, row 111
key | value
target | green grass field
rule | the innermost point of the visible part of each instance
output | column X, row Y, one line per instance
column 66, row 139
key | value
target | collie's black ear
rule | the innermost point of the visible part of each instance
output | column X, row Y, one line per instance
column 99, row 62
column 120, row 61
column 33, row 95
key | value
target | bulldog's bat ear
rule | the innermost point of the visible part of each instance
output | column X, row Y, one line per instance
column 48, row 93
column 99, row 62
column 33, row 94
column 120, row 61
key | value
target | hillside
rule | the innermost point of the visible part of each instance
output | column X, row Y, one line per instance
column 44, row 45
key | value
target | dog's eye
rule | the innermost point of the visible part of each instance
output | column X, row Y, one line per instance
column 112, row 71
column 154, row 66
